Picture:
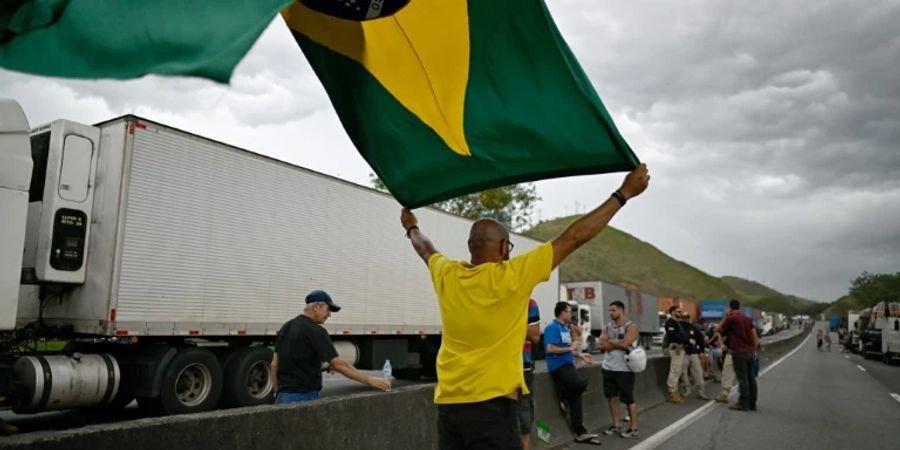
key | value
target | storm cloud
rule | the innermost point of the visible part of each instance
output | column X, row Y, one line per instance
column 772, row 129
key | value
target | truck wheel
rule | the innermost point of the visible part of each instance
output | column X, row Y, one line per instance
column 192, row 382
column 248, row 377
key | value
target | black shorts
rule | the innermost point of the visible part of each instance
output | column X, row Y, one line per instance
column 525, row 407
column 488, row 424
column 619, row 384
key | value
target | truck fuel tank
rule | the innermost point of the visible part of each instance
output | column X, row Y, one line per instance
column 44, row 383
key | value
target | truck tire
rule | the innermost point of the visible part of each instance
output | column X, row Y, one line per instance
column 248, row 377
column 192, row 382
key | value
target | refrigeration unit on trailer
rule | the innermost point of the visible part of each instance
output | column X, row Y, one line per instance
column 168, row 262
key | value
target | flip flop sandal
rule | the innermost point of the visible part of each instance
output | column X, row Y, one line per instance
column 589, row 439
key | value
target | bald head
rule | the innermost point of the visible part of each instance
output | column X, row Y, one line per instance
column 488, row 241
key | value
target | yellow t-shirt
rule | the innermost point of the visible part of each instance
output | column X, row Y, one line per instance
column 484, row 312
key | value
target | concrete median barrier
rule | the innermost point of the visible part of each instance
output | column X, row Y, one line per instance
column 649, row 391
column 403, row 419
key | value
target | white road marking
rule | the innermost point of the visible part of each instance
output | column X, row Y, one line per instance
column 663, row 435
column 896, row 397
column 860, row 367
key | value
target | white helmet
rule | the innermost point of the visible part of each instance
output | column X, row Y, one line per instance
column 636, row 359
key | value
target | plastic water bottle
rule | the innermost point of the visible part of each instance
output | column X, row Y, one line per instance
column 386, row 370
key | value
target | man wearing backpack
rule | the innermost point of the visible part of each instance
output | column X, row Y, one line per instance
column 618, row 379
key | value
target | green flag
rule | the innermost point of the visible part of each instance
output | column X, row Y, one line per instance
column 128, row 39
column 451, row 97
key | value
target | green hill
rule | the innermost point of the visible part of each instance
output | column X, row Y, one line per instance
column 768, row 299
column 618, row 257
column 844, row 304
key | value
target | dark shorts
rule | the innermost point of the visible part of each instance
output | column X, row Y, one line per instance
column 490, row 424
column 619, row 384
column 525, row 407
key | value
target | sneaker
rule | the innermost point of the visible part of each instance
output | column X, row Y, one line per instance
column 753, row 408
column 702, row 395
column 722, row 398
column 737, row 407
column 630, row 434
column 611, row 430
column 675, row 398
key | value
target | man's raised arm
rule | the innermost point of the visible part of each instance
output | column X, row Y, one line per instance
column 420, row 242
column 588, row 226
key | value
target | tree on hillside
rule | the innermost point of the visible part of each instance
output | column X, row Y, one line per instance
column 511, row 205
column 870, row 289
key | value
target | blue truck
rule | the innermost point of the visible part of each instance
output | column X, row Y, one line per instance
column 713, row 310
column 833, row 321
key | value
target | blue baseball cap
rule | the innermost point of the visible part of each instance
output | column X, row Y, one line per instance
column 322, row 296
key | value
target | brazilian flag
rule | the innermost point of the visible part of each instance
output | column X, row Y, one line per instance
column 128, row 39
column 450, row 97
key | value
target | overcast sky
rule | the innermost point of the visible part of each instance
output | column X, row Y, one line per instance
column 771, row 128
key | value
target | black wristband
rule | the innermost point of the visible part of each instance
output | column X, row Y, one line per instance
column 413, row 227
column 621, row 198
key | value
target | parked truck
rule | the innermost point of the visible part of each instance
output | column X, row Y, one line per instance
column 713, row 310
column 754, row 314
column 833, row 321
column 871, row 334
column 688, row 306
column 853, row 330
column 167, row 262
column 862, row 326
column 772, row 323
column 890, row 334
column 593, row 299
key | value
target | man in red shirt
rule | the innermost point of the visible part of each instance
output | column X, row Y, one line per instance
column 743, row 341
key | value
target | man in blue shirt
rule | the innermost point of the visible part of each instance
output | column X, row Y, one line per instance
column 561, row 365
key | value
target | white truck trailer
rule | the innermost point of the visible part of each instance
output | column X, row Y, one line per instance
column 168, row 262
column 593, row 299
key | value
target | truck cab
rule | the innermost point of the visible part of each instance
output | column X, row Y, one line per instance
column 581, row 316
column 870, row 339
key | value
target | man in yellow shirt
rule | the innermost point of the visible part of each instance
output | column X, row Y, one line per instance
column 483, row 304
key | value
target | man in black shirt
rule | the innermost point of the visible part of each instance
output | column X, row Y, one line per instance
column 695, row 347
column 302, row 348
column 677, row 339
